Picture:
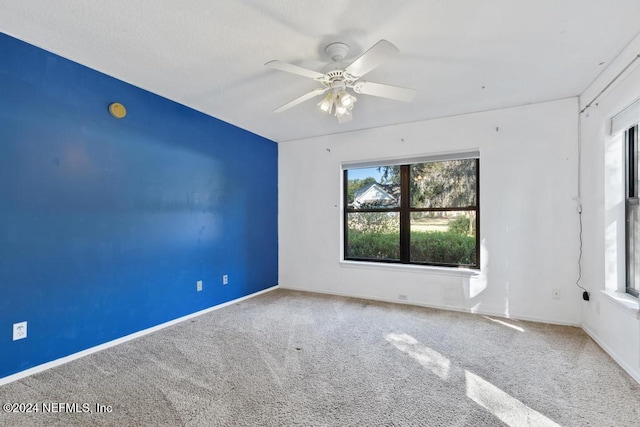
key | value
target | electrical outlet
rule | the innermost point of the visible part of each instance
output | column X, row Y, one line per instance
column 225, row 279
column 19, row 331
column 199, row 285
column 402, row 297
column 555, row 293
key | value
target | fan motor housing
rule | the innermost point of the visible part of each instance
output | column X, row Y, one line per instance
column 334, row 66
column 337, row 51
column 335, row 75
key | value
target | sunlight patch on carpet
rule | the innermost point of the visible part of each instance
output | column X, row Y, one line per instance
column 502, row 405
column 430, row 359
column 506, row 408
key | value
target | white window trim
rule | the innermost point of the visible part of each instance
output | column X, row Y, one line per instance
column 622, row 299
column 394, row 161
column 412, row 268
column 626, row 118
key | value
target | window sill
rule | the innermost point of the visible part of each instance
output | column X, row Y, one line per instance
column 625, row 301
column 446, row 271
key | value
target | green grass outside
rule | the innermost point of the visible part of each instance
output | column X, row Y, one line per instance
column 432, row 247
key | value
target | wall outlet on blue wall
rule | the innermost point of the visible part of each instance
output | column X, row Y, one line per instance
column 19, row 330
column 225, row 279
column 199, row 285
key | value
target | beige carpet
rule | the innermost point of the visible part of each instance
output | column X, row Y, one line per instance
column 296, row 359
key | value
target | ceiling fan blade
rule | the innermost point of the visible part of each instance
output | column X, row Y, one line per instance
column 301, row 99
column 294, row 69
column 376, row 55
column 384, row 91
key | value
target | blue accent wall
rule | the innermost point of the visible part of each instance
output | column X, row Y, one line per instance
column 107, row 224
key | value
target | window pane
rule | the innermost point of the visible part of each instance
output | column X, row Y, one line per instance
column 373, row 235
column 633, row 247
column 633, row 140
column 371, row 188
column 444, row 237
column 633, row 214
column 448, row 184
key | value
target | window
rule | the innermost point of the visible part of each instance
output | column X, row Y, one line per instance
column 632, row 212
column 419, row 213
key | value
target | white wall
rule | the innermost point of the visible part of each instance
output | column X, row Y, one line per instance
column 529, row 221
column 615, row 327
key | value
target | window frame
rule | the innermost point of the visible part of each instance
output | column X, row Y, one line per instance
column 632, row 193
column 405, row 210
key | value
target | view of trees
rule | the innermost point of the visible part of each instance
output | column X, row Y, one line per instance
column 438, row 184
column 439, row 237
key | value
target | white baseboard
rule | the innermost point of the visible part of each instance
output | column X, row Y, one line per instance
column 635, row 374
column 83, row 353
column 45, row 366
column 437, row 306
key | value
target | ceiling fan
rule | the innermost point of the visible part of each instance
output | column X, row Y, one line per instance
column 337, row 76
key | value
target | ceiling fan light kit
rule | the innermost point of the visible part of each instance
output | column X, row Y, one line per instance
column 337, row 77
column 340, row 101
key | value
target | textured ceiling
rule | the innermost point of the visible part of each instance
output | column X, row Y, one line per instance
column 461, row 55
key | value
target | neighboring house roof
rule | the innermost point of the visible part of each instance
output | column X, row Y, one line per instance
column 370, row 193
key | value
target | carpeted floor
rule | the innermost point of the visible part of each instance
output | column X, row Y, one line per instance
column 288, row 358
